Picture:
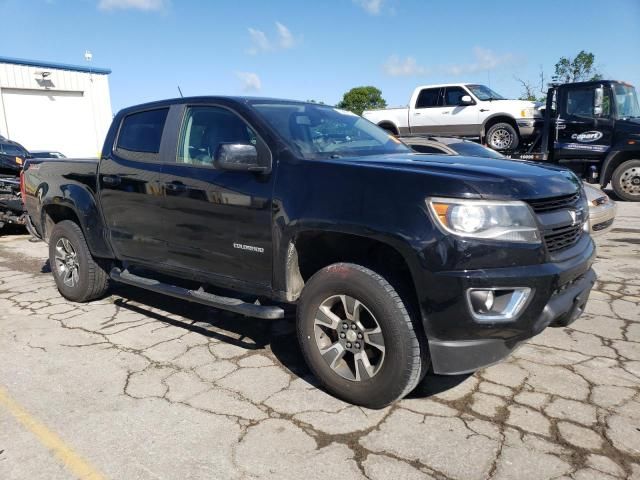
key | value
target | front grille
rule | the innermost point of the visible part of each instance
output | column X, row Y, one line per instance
column 562, row 237
column 555, row 203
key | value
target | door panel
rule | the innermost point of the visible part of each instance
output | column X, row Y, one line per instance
column 130, row 194
column 580, row 133
column 460, row 119
column 219, row 222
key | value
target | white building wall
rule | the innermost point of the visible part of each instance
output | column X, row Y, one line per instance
column 67, row 111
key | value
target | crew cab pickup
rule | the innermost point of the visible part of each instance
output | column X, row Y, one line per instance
column 465, row 110
column 395, row 261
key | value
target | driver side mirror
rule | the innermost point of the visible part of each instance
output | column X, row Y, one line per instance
column 239, row 157
column 465, row 100
column 598, row 101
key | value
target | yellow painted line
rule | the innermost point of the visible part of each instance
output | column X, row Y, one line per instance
column 74, row 462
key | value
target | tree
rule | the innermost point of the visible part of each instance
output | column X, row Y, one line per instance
column 577, row 69
column 359, row 99
column 531, row 91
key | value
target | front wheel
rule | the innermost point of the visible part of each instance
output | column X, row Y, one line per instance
column 357, row 336
column 502, row 136
column 626, row 180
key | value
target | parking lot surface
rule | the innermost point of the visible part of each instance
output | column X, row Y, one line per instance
column 138, row 386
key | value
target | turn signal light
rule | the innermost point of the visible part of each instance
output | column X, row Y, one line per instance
column 19, row 161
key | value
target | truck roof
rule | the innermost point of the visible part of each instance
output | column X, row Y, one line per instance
column 209, row 99
column 459, row 84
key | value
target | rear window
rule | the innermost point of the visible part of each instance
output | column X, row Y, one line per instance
column 142, row 132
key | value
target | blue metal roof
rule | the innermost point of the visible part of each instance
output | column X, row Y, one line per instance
column 59, row 66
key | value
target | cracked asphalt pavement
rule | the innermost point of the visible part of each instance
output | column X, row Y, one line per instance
column 145, row 387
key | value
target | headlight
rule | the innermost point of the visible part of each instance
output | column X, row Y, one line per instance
column 485, row 219
column 530, row 113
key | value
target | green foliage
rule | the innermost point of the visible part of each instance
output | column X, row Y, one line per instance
column 578, row 69
column 359, row 99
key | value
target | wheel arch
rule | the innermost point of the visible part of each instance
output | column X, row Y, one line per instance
column 614, row 160
column 497, row 118
column 311, row 250
column 389, row 126
column 77, row 205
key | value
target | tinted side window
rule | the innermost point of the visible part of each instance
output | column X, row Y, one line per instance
column 142, row 132
column 453, row 95
column 429, row 97
column 580, row 103
column 205, row 129
column 428, row 149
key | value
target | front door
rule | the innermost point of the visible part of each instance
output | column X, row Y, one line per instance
column 583, row 131
column 130, row 193
column 458, row 119
column 218, row 222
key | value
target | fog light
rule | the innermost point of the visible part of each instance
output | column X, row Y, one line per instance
column 497, row 304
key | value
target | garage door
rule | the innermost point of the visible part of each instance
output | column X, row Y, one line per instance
column 51, row 120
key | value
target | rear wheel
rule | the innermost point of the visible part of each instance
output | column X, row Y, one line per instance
column 357, row 336
column 78, row 276
column 502, row 136
column 626, row 180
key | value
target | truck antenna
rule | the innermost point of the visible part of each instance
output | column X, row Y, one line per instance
column 181, row 96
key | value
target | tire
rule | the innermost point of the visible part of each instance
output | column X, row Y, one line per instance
column 626, row 180
column 502, row 136
column 68, row 252
column 381, row 318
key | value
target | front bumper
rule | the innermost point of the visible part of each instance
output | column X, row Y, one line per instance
column 459, row 344
column 601, row 217
column 528, row 127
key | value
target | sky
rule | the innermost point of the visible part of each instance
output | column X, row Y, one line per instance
column 320, row 49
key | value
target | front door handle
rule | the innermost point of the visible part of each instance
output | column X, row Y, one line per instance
column 111, row 180
column 484, row 109
column 175, row 187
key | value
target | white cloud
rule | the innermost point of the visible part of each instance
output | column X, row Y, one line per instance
column 372, row 7
column 261, row 43
column 483, row 60
column 285, row 38
column 397, row 67
column 250, row 81
column 144, row 5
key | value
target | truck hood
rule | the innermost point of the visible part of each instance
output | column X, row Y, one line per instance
column 483, row 177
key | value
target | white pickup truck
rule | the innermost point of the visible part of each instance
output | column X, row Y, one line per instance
column 462, row 109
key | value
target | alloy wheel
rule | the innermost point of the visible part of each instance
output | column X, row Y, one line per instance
column 501, row 139
column 67, row 262
column 349, row 338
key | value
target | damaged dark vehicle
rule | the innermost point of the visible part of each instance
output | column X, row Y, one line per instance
column 397, row 262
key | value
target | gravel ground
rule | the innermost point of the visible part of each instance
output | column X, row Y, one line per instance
column 138, row 386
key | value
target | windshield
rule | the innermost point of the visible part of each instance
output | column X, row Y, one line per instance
column 484, row 93
column 9, row 149
column 626, row 101
column 471, row 149
column 317, row 131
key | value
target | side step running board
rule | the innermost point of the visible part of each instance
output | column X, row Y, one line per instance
column 198, row 296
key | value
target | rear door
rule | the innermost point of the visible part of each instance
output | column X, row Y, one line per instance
column 131, row 197
column 581, row 131
column 218, row 222
column 425, row 114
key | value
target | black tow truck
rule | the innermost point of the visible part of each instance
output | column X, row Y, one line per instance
column 592, row 128
column 395, row 261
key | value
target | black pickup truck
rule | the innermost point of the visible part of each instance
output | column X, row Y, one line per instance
column 397, row 262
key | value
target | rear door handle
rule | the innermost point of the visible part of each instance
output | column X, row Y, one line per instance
column 111, row 180
column 175, row 187
column 484, row 109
